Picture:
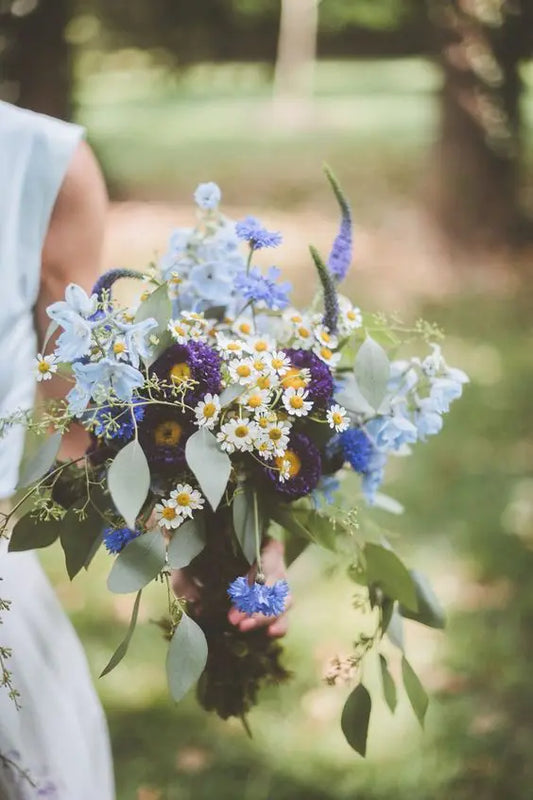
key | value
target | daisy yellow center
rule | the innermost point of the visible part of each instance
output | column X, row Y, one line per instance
column 304, row 332
column 179, row 330
column 209, row 410
column 119, row 347
column 43, row 367
column 259, row 365
column 277, row 363
column 296, row 318
column 263, row 422
column 180, row 372
column 183, row 499
column 293, row 379
column 234, row 346
column 241, row 431
column 295, row 464
column 169, row 512
column 325, row 352
column 275, row 434
column 243, row 371
column 263, row 382
column 337, row 417
column 351, row 315
column 245, row 327
column 255, row 401
column 296, row 401
column 260, row 346
column 167, row 434
column 325, row 336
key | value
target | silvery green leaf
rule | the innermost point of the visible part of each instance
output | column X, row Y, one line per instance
column 122, row 649
column 387, row 503
column 415, row 691
column 210, row 465
column 128, row 480
column 51, row 329
column 355, row 718
column 430, row 611
column 139, row 563
column 188, row 540
column 186, row 658
column 351, row 398
column 244, row 521
column 81, row 535
column 158, row 306
column 230, row 393
column 37, row 464
column 372, row 371
column 389, row 687
column 384, row 568
column 30, row 534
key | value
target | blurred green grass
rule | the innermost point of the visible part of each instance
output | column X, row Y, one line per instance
column 158, row 136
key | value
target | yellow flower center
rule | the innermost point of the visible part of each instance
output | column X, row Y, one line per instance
column 351, row 315
column 119, row 347
column 296, row 401
column 43, row 367
column 183, row 499
column 325, row 336
column 255, row 400
column 263, row 422
column 169, row 512
column 263, row 382
column 277, row 363
column 179, row 330
column 326, row 353
column 304, row 332
column 234, row 346
column 295, row 464
column 261, row 346
column 244, row 371
column 296, row 318
column 241, row 431
column 180, row 372
column 337, row 418
column 167, row 434
column 245, row 328
column 209, row 410
column 275, row 434
column 293, row 379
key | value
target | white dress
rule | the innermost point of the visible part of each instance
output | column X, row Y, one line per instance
column 60, row 735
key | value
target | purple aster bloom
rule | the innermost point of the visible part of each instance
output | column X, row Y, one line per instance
column 194, row 361
column 305, row 468
column 163, row 434
column 357, row 448
column 251, row 231
column 258, row 598
column 321, row 385
column 116, row 539
column 256, row 287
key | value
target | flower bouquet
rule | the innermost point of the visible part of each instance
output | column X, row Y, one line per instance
column 220, row 415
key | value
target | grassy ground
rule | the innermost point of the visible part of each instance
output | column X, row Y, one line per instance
column 469, row 519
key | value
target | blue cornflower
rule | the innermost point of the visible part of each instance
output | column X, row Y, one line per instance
column 357, row 448
column 256, row 287
column 116, row 539
column 258, row 598
column 251, row 231
column 125, row 427
column 207, row 195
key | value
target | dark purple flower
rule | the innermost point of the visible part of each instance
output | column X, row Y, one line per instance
column 304, row 471
column 321, row 385
column 163, row 434
column 195, row 361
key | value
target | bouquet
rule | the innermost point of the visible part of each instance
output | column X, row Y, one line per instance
column 220, row 415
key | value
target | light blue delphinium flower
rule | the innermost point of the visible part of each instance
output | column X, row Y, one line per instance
column 72, row 314
column 207, row 195
column 76, row 300
column 251, row 230
column 136, row 334
column 391, row 432
column 259, row 288
column 373, row 477
column 78, row 399
column 212, row 282
column 107, row 377
column 427, row 420
column 443, row 392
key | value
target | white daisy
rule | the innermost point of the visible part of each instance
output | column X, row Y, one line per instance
column 186, row 499
column 350, row 316
column 303, row 334
column 194, row 318
column 179, row 331
column 243, row 326
column 296, row 378
column 261, row 362
column 327, row 355
column 237, row 434
column 292, row 316
column 167, row 514
column 337, row 417
column 295, row 401
column 277, row 434
column 261, row 344
column 264, row 448
column 229, row 348
column 324, row 337
column 280, row 363
column 242, row 371
column 256, row 400
column 207, row 411
column 119, row 348
column 45, row 367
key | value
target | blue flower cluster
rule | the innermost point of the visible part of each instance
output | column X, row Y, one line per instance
column 251, row 230
column 123, row 425
column 258, row 598
column 259, row 288
column 116, row 539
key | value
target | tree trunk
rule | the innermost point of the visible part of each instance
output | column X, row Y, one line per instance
column 294, row 75
column 39, row 60
column 476, row 191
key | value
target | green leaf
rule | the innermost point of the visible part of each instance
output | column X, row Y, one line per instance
column 430, row 611
column 187, row 656
column 31, row 534
column 128, row 480
column 387, row 503
column 389, row 687
column 321, row 529
column 188, row 540
column 355, row 718
column 372, row 371
column 139, row 563
column 415, row 691
column 38, row 463
column 385, row 568
column 158, row 306
column 351, row 398
column 210, row 465
column 79, row 537
column 244, row 522
column 51, row 329
column 122, row 649
column 231, row 393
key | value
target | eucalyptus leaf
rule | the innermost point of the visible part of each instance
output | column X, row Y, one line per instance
column 430, row 611
column 80, row 535
column 140, row 562
column 385, row 568
column 356, row 717
column 122, row 649
column 231, row 393
column 186, row 658
column 244, row 522
column 158, row 306
column 37, row 464
column 351, row 398
column 31, row 534
column 51, row 329
column 372, row 371
column 387, row 503
column 210, row 465
column 188, row 540
column 415, row 691
column 128, row 480
column 389, row 687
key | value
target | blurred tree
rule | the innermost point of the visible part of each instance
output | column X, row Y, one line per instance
column 479, row 156
column 293, row 80
column 36, row 57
